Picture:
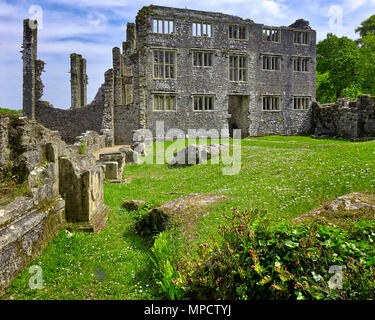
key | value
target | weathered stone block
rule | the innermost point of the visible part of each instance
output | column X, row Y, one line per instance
column 111, row 170
column 24, row 238
column 114, row 157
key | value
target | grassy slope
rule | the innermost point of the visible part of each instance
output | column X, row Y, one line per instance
column 286, row 176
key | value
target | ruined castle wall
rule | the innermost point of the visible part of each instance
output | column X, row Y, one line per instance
column 286, row 83
column 344, row 118
column 78, row 81
column 72, row 122
column 191, row 80
column 125, row 121
column 29, row 56
column 62, row 185
column 126, row 114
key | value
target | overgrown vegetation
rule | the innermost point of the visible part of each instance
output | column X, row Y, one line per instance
column 11, row 185
column 346, row 67
column 260, row 260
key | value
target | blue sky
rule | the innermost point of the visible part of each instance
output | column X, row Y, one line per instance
column 93, row 27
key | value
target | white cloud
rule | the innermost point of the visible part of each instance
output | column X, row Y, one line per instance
column 274, row 8
column 86, row 27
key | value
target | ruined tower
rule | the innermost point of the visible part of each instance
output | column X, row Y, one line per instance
column 29, row 55
column 78, row 81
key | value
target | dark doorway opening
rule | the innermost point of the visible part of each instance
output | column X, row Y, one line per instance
column 238, row 107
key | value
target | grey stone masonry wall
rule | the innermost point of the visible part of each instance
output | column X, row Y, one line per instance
column 98, row 116
column 214, row 80
column 125, row 101
column 70, row 123
column 62, row 186
column 345, row 118
column 78, row 81
column 29, row 54
column 127, row 115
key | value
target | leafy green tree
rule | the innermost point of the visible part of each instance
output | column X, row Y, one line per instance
column 338, row 61
column 346, row 68
column 367, row 26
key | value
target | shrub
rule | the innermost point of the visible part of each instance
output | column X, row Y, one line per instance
column 258, row 260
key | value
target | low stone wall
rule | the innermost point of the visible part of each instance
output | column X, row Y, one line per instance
column 70, row 123
column 25, row 233
column 345, row 118
column 62, row 185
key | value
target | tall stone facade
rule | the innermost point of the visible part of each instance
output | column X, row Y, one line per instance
column 192, row 70
column 206, row 51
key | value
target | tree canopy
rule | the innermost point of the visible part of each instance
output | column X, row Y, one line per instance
column 367, row 26
column 345, row 67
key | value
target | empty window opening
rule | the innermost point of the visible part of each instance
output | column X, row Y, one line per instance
column 203, row 103
column 163, row 26
column 164, row 64
column 202, row 59
column 301, row 103
column 164, row 102
column 201, row 29
column 271, row 103
column 238, row 68
column 301, row 37
column 271, row 34
column 301, row 64
column 237, row 32
column 271, row 62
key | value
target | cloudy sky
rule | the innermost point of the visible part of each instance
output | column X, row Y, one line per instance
column 93, row 27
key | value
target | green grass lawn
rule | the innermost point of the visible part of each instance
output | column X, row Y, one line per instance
column 284, row 176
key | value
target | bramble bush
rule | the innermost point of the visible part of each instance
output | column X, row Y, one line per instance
column 259, row 260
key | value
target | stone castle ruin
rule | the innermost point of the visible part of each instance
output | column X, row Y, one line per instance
column 190, row 69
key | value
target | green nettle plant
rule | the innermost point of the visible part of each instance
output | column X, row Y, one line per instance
column 169, row 280
column 258, row 260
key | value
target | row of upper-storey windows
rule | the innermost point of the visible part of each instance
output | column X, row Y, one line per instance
column 204, row 102
column 165, row 64
column 239, row 32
